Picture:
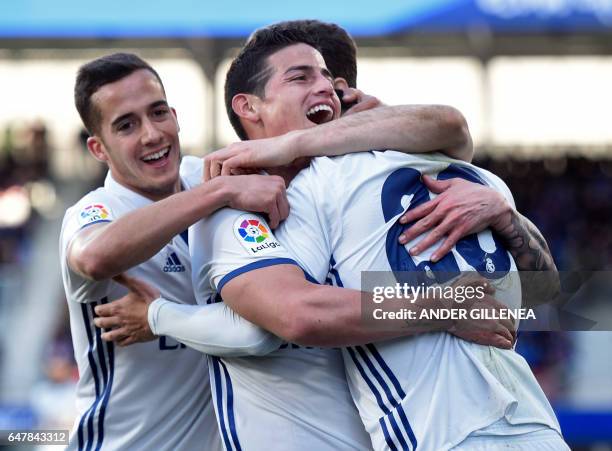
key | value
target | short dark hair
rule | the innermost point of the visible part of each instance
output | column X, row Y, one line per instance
column 99, row 72
column 249, row 71
column 336, row 45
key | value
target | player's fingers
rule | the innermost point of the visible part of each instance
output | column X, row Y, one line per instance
column 238, row 171
column 436, row 186
column 206, row 169
column 106, row 322
column 366, row 103
column 274, row 216
column 419, row 228
column 419, row 212
column 503, row 331
column 446, row 246
column 508, row 325
column 114, row 335
column 502, row 342
column 351, row 95
column 432, row 238
column 215, row 168
column 229, row 164
column 283, row 205
column 103, row 310
column 126, row 341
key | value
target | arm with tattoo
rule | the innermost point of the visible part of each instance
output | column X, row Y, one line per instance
column 462, row 208
column 539, row 275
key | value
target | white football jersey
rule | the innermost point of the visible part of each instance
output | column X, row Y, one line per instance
column 153, row 395
column 426, row 392
column 294, row 398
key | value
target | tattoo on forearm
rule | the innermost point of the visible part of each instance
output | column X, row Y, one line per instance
column 527, row 245
column 539, row 276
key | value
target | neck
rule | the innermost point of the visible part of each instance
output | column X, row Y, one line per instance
column 156, row 196
column 151, row 193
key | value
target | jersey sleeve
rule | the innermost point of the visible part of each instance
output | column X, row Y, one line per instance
column 95, row 208
column 230, row 243
column 212, row 329
column 312, row 226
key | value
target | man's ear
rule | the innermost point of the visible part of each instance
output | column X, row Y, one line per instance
column 178, row 126
column 340, row 83
column 246, row 106
column 96, row 148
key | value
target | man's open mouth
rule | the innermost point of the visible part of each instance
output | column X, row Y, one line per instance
column 157, row 157
column 319, row 114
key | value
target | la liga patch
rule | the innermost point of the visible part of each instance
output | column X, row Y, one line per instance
column 254, row 235
column 94, row 213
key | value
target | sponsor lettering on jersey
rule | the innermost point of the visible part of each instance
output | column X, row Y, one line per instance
column 94, row 213
column 173, row 264
column 254, row 235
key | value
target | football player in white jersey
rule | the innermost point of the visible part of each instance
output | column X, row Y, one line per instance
column 411, row 393
column 262, row 243
column 122, row 103
column 154, row 395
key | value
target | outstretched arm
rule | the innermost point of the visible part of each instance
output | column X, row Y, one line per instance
column 406, row 128
column 279, row 299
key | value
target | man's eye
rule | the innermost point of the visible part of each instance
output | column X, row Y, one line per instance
column 299, row 77
column 124, row 127
column 162, row 112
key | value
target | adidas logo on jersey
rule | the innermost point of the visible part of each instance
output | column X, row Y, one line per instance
column 173, row 264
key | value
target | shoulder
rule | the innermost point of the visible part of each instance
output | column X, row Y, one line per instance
column 95, row 205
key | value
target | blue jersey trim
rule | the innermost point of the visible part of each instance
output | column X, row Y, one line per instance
column 399, row 390
column 94, row 222
column 388, row 438
column 185, row 236
column 395, row 404
column 97, row 349
column 230, row 407
column 110, row 351
column 309, row 278
column 219, row 395
column 386, row 369
column 253, row 266
column 334, row 272
column 94, row 371
column 367, row 380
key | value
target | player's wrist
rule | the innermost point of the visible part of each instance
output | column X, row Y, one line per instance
column 153, row 314
column 224, row 190
column 299, row 143
column 505, row 217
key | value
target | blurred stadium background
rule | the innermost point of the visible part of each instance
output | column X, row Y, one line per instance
column 531, row 76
